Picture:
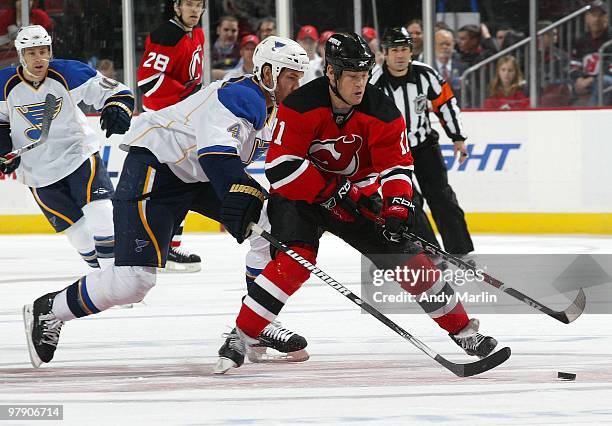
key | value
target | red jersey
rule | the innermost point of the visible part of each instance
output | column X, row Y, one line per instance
column 171, row 65
column 311, row 146
column 517, row 101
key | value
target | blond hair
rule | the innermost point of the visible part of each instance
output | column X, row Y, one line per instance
column 496, row 88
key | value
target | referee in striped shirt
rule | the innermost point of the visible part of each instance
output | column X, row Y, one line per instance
column 416, row 88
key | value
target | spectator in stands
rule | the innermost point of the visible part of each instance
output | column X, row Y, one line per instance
column 325, row 35
column 225, row 51
column 415, row 28
column 475, row 44
column 585, row 62
column 307, row 37
column 371, row 36
column 556, row 86
column 507, row 89
column 266, row 27
column 500, row 34
column 448, row 63
column 245, row 66
column 10, row 21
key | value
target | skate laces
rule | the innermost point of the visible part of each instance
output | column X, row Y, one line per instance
column 180, row 252
column 52, row 328
column 235, row 342
column 472, row 342
column 275, row 331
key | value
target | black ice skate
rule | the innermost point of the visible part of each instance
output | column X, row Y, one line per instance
column 42, row 329
column 472, row 342
column 231, row 354
column 276, row 337
column 180, row 261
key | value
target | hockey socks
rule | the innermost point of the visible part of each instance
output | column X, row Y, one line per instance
column 434, row 295
column 271, row 289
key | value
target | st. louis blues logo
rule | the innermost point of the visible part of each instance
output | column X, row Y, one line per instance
column 33, row 114
column 278, row 45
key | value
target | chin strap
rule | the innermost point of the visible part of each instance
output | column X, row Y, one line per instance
column 336, row 91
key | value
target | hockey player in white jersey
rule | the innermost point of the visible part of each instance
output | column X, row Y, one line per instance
column 65, row 174
column 189, row 156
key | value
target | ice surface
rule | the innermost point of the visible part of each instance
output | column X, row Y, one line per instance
column 152, row 364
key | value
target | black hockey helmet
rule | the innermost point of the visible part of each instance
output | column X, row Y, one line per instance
column 396, row 36
column 348, row 52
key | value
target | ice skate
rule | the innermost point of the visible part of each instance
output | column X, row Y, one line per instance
column 182, row 262
column 472, row 342
column 231, row 354
column 42, row 329
column 275, row 336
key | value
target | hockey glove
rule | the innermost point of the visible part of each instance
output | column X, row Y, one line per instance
column 6, row 146
column 241, row 205
column 8, row 168
column 191, row 87
column 343, row 199
column 115, row 119
column 398, row 216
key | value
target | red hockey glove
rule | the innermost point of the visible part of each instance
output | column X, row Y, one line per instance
column 398, row 216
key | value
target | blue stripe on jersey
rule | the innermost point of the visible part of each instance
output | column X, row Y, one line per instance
column 75, row 73
column 5, row 77
column 217, row 149
column 245, row 99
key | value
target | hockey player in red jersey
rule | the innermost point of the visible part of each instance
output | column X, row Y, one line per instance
column 171, row 67
column 170, row 71
column 338, row 142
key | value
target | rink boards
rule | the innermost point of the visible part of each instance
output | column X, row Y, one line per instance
column 544, row 171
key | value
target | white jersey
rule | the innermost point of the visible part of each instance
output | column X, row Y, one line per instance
column 227, row 117
column 71, row 141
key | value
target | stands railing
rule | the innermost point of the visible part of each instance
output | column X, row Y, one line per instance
column 601, row 90
column 552, row 62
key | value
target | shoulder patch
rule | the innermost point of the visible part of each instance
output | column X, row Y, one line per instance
column 71, row 73
column 244, row 99
column 167, row 34
column 312, row 95
column 8, row 80
column 378, row 105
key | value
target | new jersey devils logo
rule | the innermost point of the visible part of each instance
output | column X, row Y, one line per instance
column 196, row 64
column 340, row 155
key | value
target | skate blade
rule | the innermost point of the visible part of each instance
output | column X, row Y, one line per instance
column 28, row 323
column 223, row 365
column 180, row 268
column 260, row 355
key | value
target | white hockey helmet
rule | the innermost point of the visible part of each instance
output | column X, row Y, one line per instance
column 31, row 36
column 279, row 52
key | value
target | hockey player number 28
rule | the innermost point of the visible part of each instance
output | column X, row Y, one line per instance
column 160, row 64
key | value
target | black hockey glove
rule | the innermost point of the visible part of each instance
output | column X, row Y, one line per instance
column 398, row 215
column 8, row 168
column 6, row 146
column 191, row 87
column 241, row 205
column 343, row 199
column 115, row 119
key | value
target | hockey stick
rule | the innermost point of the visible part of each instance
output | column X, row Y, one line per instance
column 566, row 316
column 571, row 313
column 48, row 111
column 461, row 370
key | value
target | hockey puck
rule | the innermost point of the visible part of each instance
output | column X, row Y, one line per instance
column 566, row 376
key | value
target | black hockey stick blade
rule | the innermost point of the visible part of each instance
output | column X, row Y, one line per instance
column 571, row 313
column 477, row 367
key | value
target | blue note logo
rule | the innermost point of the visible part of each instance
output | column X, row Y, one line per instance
column 33, row 114
column 278, row 45
column 140, row 244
